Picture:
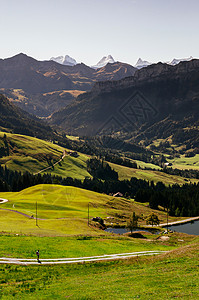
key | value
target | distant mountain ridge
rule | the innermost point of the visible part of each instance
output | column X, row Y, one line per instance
column 144, row 63
column 67, row 60
column 44, row 87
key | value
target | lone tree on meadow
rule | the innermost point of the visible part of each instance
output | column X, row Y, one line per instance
column 152, row 219
column 133, row 222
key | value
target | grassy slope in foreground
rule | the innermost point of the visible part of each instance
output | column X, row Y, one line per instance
column 168, row 276
column 30, row 154
column 63, row 210
column 81, row 246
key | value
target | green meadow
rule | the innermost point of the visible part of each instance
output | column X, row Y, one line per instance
column 25, row 246
column 167, row 276
column 183, row 162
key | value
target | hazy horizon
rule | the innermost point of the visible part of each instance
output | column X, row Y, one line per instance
column 88, row 30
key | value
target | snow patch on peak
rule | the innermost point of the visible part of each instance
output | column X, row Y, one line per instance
column 58, row 59
column 142, row 64
column 104, row 61
column 67, row 60
column 176, row 61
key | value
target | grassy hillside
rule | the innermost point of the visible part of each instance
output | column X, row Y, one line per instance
column 64, row 210
column 32, row 154
column 183, row 162
column 149, row 175
column 25, row 153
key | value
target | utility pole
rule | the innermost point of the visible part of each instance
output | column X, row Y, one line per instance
column 88, row 213
column 36, row 214
column 167, row 218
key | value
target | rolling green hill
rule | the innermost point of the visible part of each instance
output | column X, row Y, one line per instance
column 64, row 210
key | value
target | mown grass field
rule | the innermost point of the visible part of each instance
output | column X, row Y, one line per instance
column 22, row 246
column 168, row 276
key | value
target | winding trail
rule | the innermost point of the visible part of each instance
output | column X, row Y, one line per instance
column 53, row 261
column 16, row 211
column 50, row 167
column 3, row 200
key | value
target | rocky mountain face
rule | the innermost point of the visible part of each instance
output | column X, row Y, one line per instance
column 157, row 102
column 36, row 81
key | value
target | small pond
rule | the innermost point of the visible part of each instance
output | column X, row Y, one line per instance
column 189, row 228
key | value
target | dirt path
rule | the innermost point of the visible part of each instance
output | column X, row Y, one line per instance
column 64, row 155
column 3, row 200
column 179, row 222
column 16, row 211
column 51, row 261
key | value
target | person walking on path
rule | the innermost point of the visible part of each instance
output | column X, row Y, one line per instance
column 37, row 252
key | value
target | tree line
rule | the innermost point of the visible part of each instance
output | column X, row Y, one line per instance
column 179, row 200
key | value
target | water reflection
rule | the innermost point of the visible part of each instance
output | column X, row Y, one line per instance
column 189, row 228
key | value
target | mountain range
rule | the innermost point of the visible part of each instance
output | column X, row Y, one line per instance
column 143, row 63
column 159, row 101
column 67, row 60
column 43, row 87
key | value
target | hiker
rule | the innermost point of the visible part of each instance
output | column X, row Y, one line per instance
column 37, row 255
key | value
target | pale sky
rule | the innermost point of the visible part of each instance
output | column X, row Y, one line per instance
column 87, row 30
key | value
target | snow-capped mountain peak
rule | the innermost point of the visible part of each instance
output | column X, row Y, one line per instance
column 142, row 63
column 104, row 61
column 67, row 60
column 176, row 61
column 58, row 59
